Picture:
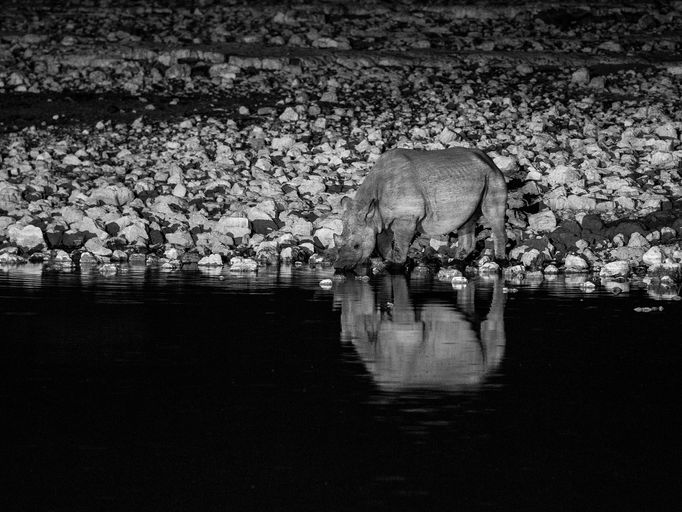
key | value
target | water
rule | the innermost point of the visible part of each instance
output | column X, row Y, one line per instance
column 181, row 391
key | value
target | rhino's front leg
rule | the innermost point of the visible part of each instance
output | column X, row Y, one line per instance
column 465, row 239
column 403, row 234
column 385, row 243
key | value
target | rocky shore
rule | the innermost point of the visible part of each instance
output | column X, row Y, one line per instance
column 205, row 135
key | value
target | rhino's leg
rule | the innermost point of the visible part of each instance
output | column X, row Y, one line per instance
column 403, row 234
column 385, row 243
column 494, row 206
column 465, row 238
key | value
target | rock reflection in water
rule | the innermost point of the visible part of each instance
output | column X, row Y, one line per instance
column 432, row 345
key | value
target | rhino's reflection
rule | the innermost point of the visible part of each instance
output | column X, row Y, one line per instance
column 433, row 345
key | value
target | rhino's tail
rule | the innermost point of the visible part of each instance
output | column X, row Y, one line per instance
column 494, row 203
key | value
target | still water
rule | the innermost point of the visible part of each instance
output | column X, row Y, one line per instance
column 185, row 391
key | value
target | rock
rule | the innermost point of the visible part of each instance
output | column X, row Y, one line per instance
column 542, row 221
column 135, row 234
column 289, row 115
column 214, row 260
column 61, row 257
column 562, row 175
column 326, row 284
column 239, row 264
column 236, row 227
column 653, row 256
column 576, row 263
column 506, row 164
column 530, row 258
column 115, row 195
column 638, row 240
column 180, row 238
column 119, row 255
column 88, row 259
column 96, row 247
column 447, row 274
column 71, row 160
column 551, row 269
column 489, row 267
column 581, row 76
column 631, row 254
column 10, row 197
column 28, row 239
column 666, row 131
column 283, row 143
column 618, row 268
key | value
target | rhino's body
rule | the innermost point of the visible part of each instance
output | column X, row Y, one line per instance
column 430, row 192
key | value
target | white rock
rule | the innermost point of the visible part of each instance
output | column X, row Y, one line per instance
column 71, row 160
column 581, row 76
column 326, row 284
column 617, row 268
column 236, row 227
column 562, row 174
column 96, row 247
column 489, row 268
column 542, row 221
column 180, row 190
column 637, row 240
column 551, row 269
column 283, row 143
column 214, row 260
column 288, row 115
column 180, row 238
column 116, row 195
column 530, row 257
column 575, row 263
column 653, row 256
column 506, row 164
column 28, row 238
column 447, row 274
column 239, row 264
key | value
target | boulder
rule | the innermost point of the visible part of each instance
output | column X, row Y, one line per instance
column 618, row 268
column 542, row 221
column 28, row 239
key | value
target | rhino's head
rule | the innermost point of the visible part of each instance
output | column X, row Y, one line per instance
column 357, row 241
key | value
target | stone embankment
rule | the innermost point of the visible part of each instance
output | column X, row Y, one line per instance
column 580, row 108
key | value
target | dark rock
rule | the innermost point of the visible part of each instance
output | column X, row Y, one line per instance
column 263, row 226
column 677, row 226
column 156, row 237
column 112, row 228
column 540, row 244
column 564, row 239
column 571, row 226
column 593, row 223
column 54, row 236
column 73, row 240
column 626, row 228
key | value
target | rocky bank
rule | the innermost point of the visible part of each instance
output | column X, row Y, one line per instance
column 581, row 110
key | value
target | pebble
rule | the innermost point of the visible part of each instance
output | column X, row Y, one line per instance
column 326, row 284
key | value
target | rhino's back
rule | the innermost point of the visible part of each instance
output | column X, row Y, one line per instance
column 446, row 185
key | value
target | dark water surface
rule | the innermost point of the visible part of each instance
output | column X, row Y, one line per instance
column 181, row 391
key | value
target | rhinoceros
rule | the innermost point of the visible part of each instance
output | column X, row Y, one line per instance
column 428, row 192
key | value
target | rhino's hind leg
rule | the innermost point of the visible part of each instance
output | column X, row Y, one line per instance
column 403, row 234
column 494, row 206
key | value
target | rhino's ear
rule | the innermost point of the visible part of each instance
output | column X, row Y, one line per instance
column 337, row 240
column 373, row 217
column 346, row 202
